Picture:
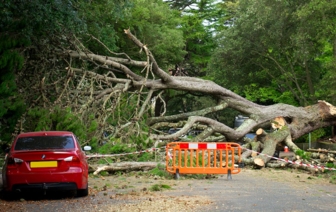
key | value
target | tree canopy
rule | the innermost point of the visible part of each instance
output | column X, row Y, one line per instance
column 277, row 51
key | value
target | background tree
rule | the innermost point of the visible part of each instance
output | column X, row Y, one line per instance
column 157, row 26
column 271, row 52
column 318, row 20
column 102, row 19
column 200, row 21
column 22, row 25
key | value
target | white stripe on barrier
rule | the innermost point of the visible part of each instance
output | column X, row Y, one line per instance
column 212, row 146
column 204, row 146
column 193, row 145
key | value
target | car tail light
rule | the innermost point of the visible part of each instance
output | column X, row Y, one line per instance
column 18, row 160
column 14, row 161
column 72, row 159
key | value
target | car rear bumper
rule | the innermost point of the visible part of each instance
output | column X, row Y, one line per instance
column 44, row 186
column 72, row 179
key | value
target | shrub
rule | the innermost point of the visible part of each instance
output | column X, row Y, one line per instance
column 159, row 187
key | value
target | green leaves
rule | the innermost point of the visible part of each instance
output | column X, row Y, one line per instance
column 157, row 26
column 267, row 95
column 39, row 18
column 274, row 45
column 26, row 23
column 102, row 19
column 11, row 104
column 40, row 119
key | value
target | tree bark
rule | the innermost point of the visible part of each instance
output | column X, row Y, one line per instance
column 125, row 166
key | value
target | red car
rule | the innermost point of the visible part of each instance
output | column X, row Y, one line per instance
column 49, row 160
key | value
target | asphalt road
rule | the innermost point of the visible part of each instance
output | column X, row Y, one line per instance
column 256, row 193
column 247, row 191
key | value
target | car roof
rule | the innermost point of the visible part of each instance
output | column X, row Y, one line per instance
column 45, row 133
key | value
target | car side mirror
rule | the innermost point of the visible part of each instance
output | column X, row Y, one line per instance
column 87, row 148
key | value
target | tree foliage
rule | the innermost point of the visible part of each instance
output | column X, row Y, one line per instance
column 102, row 19
column 319, row 21
column 199, row 22
column 157, row 26
column 23, row 24
column 271, row 52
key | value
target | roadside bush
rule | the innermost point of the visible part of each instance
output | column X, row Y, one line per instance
column 159, row 187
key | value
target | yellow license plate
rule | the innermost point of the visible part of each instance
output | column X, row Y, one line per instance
column 43, row 164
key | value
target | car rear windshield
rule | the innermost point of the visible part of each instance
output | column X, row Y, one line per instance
column 44, row 143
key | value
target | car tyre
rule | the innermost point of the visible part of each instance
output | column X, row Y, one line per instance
column 83, row 192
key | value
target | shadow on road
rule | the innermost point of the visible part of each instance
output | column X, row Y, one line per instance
column 35, row 196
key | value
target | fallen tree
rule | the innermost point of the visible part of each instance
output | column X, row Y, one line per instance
column 100, row 91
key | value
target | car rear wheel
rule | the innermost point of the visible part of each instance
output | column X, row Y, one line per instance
column 83, row 192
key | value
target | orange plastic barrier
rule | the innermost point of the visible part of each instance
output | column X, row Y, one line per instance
column 203, row 158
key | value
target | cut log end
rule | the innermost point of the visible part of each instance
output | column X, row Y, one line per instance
column 260, row 131
column 259, row 162
column 278, row 123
